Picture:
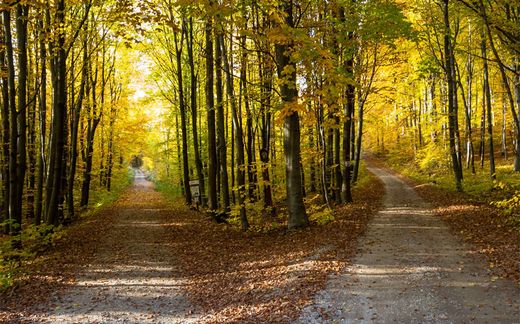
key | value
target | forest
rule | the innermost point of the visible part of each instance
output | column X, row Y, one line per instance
column 260, row 114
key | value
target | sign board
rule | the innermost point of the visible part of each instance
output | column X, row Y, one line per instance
column 195, row 189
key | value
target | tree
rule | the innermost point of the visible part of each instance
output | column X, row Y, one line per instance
column 286, row 69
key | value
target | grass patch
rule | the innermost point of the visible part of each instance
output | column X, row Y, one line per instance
column 502, row 192
column 168, row 189
column 101, row 197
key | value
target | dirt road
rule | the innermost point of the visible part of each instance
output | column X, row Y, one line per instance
column 411, row 269
column 133, row 276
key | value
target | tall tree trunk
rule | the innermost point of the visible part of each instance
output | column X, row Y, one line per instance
column 357, row 157
column 4, row 216
column 312, row 167
column 503, row 148
column 265, row 74
column 289, row 94
column 182, row 107
column 94, row 118
column 75, row 118
column 470, row 152
column 193, row 101
column 237, row 122
column 41, row 165
column 323, row 151
column 516, row 166
column 55, row 190
column 13, row 127
column 210, row 104
column 22, row 12
column 452, row 109
column 222, row 147
column 346, row 193
column 337, row 161
column 482, row 144
column 487, row 102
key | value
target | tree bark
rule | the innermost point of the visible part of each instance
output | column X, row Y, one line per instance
column 237, row 123
column 289, row 95
column 41, row 165
column 193, row 101
column 55, row 189
column 182, row 108
column 222, row 146
column 452, row 109
column 4, row 215
column 210, row 104
column 487, row 103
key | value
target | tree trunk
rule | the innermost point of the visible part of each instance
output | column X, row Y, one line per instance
column 237, row 123
column 516, row 166
column 4, row 215
column 291, row 139
column 193, row 101
column 94, row 118
column 41, row 165
column 182, row 107
column 55, row 190
column 210, row 104
column 337, row 161
column 222, row 147
column 357, row 158
column 452, row 109
column 75, row 118
column 487, row 102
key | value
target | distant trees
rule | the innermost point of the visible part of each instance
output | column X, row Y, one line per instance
column 459, row 70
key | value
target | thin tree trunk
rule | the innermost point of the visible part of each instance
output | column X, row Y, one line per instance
column 452, row 109
column 487, row 102
column 210, row 104
column 94, row 118
column 14, row 210
column 222, row 147
column 182, row 107
column 346, row 194
column 193, row 101
column 4, row 216
column 237, row 123
column 43, row 127
column 76, row 114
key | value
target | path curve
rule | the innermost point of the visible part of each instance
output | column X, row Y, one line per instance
column 411, row 269
column 133, row 277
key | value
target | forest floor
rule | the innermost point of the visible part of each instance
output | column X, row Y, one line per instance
column 148, row 259
column 412, row 268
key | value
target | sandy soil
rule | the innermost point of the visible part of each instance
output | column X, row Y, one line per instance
column 411, row 269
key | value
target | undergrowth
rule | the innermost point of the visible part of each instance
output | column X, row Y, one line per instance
column 263, row 220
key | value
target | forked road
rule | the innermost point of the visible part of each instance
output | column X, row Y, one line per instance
column 132, row 278
column 411, row 269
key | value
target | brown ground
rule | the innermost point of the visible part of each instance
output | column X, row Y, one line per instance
column 95, row 270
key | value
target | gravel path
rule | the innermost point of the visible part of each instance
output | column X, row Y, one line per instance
column 411, row 269
column 133, row 276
